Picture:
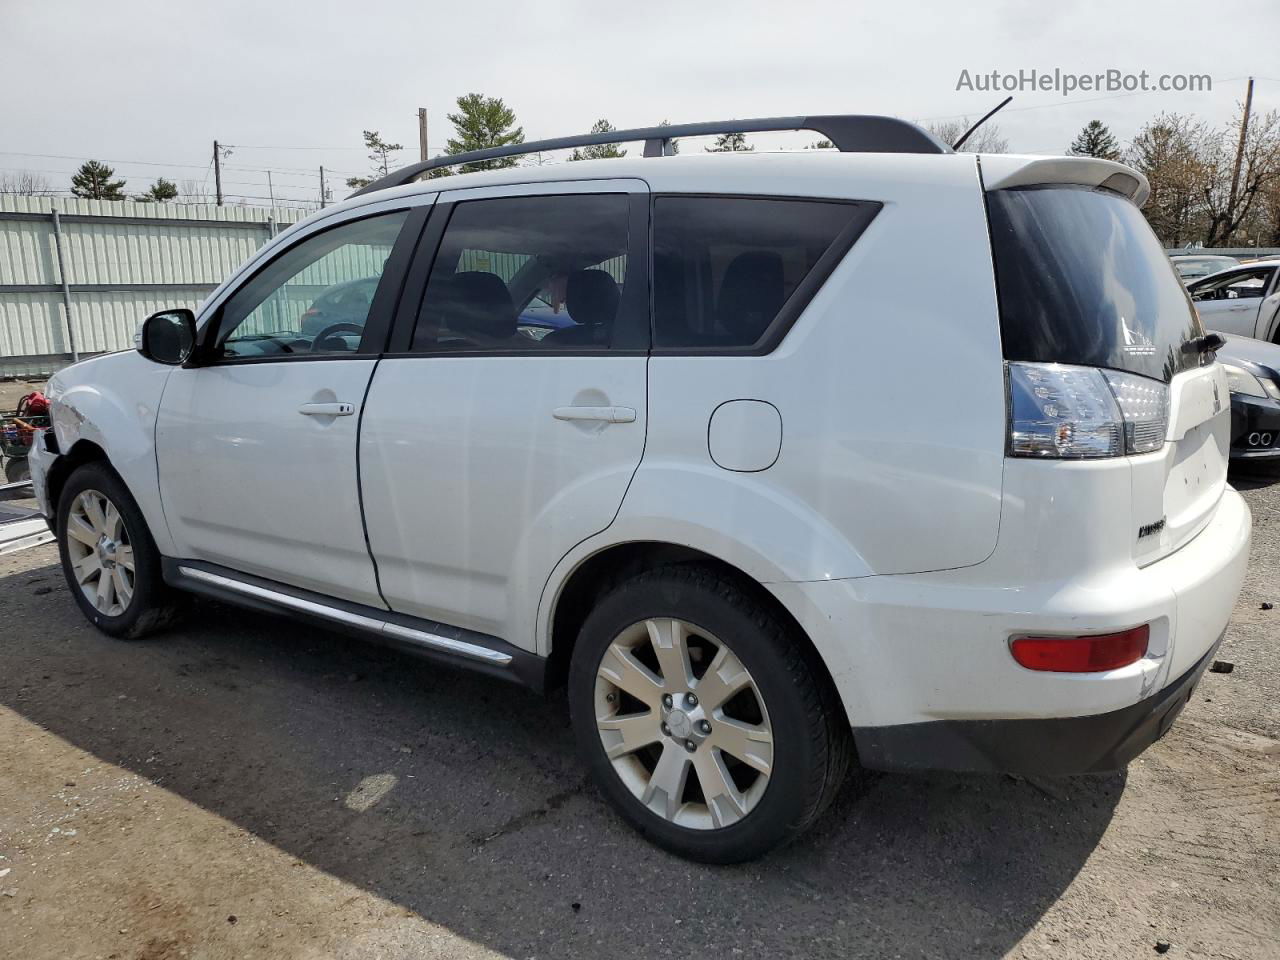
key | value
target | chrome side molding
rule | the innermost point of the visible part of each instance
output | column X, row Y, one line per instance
column 424, row 638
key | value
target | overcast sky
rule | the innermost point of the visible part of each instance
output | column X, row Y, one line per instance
column 292, row 83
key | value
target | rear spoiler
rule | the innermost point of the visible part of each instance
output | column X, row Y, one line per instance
column 1001, row 171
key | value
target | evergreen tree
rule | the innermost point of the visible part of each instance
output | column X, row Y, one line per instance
column 93, row 182
column 1095, row 140
column 602, row 151
column 379, row 155
column 483, row 123
column 730, row 143
column 161, row 191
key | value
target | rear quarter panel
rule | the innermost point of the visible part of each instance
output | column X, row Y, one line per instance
column 890, row 387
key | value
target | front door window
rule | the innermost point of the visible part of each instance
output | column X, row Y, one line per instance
column 315, row 298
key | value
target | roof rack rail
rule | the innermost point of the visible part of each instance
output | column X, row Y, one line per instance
column 848, row 133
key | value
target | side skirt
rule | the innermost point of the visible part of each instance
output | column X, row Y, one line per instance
column 453, row 646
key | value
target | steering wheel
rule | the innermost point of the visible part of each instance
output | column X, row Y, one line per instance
column 331, row 330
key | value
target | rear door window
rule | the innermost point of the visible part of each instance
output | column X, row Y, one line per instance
column 730, row 271
column 1083, row 280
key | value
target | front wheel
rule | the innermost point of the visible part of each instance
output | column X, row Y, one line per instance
column 109, row 560
column 703, row 718
column 16, row 470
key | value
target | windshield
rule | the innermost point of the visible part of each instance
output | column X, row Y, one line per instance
column 1083, row 280
column 1202, row 268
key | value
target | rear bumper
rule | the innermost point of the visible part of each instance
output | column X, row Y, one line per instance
column 1054, row 746
column 920, row 656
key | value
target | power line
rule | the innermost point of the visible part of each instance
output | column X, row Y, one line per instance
column 63, row 173
column 1072, row 103
column 303, row 171
column 255, row 146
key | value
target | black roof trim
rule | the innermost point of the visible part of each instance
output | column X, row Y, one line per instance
column 848, row 133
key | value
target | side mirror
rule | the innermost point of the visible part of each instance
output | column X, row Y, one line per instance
column 168, row 336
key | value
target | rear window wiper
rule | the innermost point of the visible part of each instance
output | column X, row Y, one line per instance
column 1209, row 343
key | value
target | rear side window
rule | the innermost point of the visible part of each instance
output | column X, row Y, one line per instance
column 1083, row 280
column 728, row 271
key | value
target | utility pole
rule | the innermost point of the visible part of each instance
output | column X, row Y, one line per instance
column 422, row 134
column 217, row 171
column 1244, row 133
column 66, row 289
column 271, row 193
column 322, row 190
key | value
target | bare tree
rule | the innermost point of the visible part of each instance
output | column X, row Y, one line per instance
column 1259, row 171
column 1268, row 230
column 26, row 184
column 1169, row 152
column 193, row 191
column 986, row 139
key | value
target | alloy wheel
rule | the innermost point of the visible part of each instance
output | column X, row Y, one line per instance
column 683, row 724
column 101, row 552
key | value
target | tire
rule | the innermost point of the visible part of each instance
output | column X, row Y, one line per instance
column 16, row 470
column 130, row 606
column 750, row 795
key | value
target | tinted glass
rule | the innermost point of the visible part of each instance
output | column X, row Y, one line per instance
column 527, row 273
column 1083, row 280
column 724, row 266
column 315, row 297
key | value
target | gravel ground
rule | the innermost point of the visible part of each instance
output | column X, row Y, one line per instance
column 11, row 391
column 248, row 787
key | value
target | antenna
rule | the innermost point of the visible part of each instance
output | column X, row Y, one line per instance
column 968, row 133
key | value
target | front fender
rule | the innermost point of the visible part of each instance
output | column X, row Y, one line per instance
column 112, row 402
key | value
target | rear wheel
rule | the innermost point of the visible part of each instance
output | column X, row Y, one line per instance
column 110, row 562
column 703, row 718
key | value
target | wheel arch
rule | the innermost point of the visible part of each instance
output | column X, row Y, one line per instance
column 81, row 452
column 599, row 571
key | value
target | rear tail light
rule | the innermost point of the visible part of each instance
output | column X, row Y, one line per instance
column 1081, row 413
column 1088, row 654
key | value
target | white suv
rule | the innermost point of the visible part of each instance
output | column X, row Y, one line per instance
column 705, row 439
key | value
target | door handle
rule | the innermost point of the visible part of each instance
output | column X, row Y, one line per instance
column 603, row 414
column 327, row 409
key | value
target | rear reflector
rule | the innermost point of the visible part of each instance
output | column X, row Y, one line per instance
column 1093, row 654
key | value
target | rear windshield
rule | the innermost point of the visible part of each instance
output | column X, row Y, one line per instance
column 1082, row 279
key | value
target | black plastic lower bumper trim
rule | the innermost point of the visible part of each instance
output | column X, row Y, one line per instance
column 1056, row 746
